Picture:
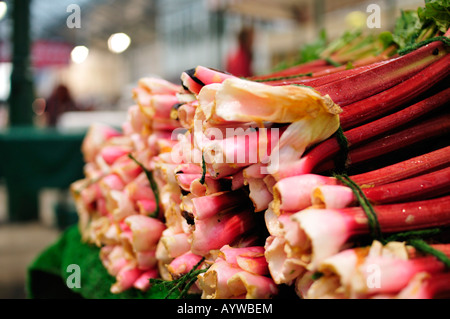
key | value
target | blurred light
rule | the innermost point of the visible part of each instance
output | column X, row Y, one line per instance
column 3, row 9
column 79, row 54
column 356, row 19
column 5, row 78
column 118, row 42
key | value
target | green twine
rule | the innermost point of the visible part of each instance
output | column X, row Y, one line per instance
column 202, row 180
column 374, row 225
column 415, row 46
column 414, row 234
column 412, row 238
column 305, row 86
column 287, row 77
column 422, row 246
column 340, row 172
column 153, row 185
column 332, row 62
column 183, row 283
column 341, row 159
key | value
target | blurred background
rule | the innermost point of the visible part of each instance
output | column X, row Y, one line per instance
column 68, row 63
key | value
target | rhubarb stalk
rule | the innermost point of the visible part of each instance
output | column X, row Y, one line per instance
column 323, row 232
column 405, row 169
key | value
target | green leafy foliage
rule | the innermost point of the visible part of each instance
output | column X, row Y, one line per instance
column 312, row 51
column 411, row 27
column 178, row 288
column 386, row 38
column 339, row 43
column 47, row 275
column 406, row 28
column 308, row 52
column 436, row 12
column 95, row 280
column 422, row 246
column 415, row 26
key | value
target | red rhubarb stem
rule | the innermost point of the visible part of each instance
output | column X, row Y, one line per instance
column 421, row 187
column 404, row 216
column 368, row 83
column 327, row 74
column 331, row 147
column 412, row 167
column 322, row 78
column 388, row 100
column 438, row 285
column 312, row 66
column 424, row 131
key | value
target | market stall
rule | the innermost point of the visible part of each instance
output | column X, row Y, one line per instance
column 33, row 159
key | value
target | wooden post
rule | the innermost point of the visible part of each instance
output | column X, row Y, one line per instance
column 21, row 96
column 22, row 203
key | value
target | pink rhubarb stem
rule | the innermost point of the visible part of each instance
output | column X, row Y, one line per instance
column 321, row 233
column 219, row 230
column 208, row 206
column 294, row 193
column 436, row 285
column 183, row 264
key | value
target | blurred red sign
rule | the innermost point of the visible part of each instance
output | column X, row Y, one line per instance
column 50, row 53
column 43, row 53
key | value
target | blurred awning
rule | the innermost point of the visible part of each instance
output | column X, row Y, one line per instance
column 99, row 19
column 270, row 10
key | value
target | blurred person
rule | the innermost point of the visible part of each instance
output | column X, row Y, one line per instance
column 59, row 101
column 3, row 114
column 239, row 62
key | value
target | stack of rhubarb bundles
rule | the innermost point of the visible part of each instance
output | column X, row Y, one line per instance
column 335, row 184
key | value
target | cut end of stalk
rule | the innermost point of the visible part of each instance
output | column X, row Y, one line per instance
column 330, row 106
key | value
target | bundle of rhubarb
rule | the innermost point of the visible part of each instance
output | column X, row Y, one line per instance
column 358, row 48
column 351, row 49
column 119, row 202
column 334, row 184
